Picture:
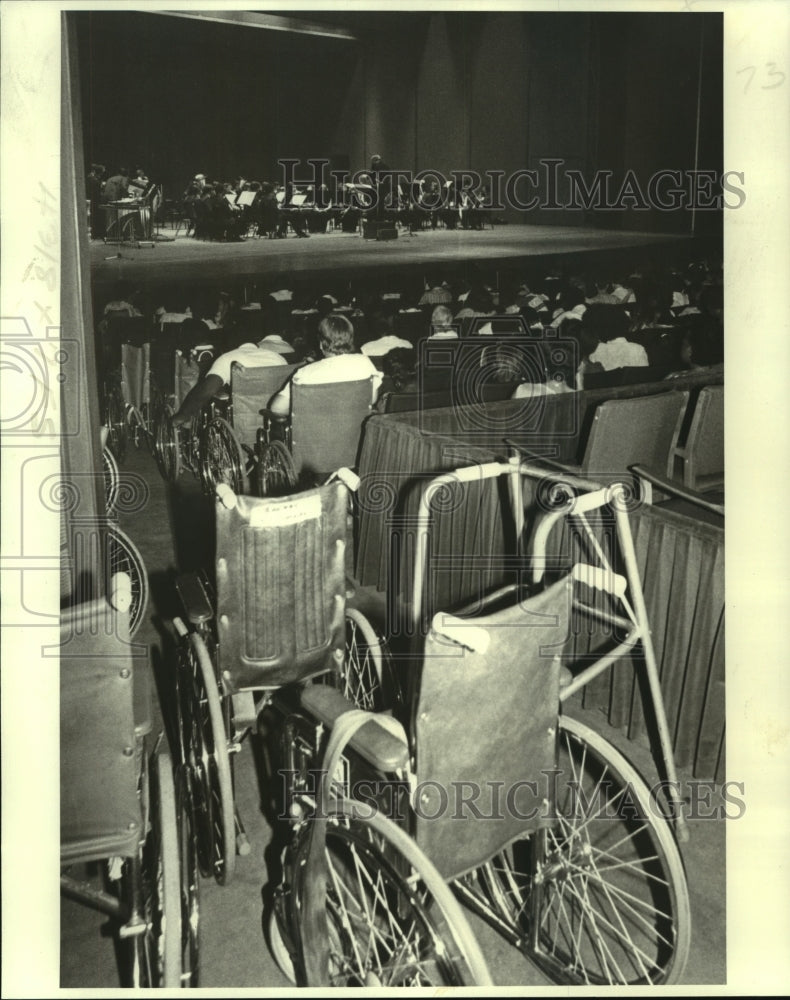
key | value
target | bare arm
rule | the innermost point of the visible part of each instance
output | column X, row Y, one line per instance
column 197, row 397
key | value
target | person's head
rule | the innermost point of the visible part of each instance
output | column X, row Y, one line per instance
column 605, row 322
column 400, row 364
column 479, row 300
column 441, row 319
column 336, row 335
column 123, row 171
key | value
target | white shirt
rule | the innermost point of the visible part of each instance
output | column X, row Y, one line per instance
column 527, row 390
column 620, row 353
column 248, row 355
column 274, row 342
column 336, row 368
column 375, row 348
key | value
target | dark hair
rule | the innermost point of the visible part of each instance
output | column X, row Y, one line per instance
column 400, row 364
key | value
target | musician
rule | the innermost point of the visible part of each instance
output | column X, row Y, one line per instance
column 469, row 208
column 382, row 183
column 117, row 186
column 138, row 185
column 289, row 213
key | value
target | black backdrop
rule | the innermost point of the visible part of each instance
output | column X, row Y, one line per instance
column 462, row 90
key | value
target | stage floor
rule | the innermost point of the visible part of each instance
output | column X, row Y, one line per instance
column 188, row 259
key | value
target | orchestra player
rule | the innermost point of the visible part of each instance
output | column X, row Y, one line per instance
column 138, row 184
column 117, row 186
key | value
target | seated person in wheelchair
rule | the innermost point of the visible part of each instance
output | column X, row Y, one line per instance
column 249, row 355
column 341, row 362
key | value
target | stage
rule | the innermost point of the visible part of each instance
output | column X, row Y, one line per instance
column 185, row 259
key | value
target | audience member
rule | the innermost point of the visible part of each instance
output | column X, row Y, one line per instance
column 340, row 363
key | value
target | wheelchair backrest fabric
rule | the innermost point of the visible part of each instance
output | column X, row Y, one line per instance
column 704, row 462
column 100, row 812
column 485, row 725
column 281, row 587
column 251, row 389
column 639, row 431
column 326, row 424
column 136, row 374
column 187, row 373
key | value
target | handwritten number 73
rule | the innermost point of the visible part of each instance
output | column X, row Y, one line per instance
column 770, row 72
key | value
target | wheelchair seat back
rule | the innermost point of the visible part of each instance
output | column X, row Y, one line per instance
column 326, row 424
column 251, row 390
column 136, row 374
column 281, row 587
column 104, row 709
column 485, row 729
column 187, row 373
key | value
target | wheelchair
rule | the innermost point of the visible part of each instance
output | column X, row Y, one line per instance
column 283, row 621
column 125, row 841
column 141, row 393
column 131, row 398
column 564, row 849
column 176, row 449
column 305, row 447
column 282, row 615
column 230, row 446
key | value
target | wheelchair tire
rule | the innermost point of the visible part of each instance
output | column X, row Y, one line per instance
column 277, row 474
column 600, row 898
column 167, row 447
column 156, row 952
column 190, row 880
column 221, row 458
column 112, row 481
column 123, row 557
column 114, row 421
column 392, row 919
column 204, row 743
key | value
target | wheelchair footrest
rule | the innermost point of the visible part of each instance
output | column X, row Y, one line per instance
column 379, row 747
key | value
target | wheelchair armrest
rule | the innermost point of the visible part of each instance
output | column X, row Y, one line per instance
column 196, row 601
column 676, row 489
column 372, row 741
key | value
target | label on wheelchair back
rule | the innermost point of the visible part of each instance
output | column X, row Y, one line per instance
column 279, row 515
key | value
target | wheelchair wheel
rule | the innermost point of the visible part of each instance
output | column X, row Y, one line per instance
column 190, row 880
column 156, row 952
column 115, row 422
column 392, row 920
column 123, row 557
column 276, row 471
column 112, row 481
column 167, row 448
column 221, row 458
column 368, row 676
column 204, row 744
column 601, row 897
